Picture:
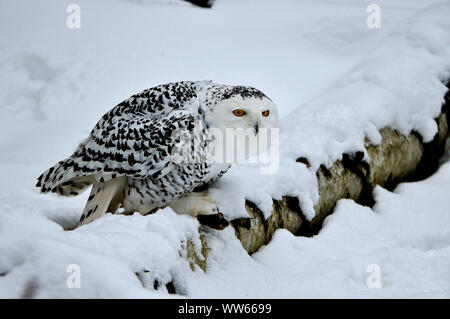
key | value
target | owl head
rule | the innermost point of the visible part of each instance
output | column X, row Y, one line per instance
column 246, row 120
column 241, row 107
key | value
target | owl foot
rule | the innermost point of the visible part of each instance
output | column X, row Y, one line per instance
column 195, row 203
column 216, row 221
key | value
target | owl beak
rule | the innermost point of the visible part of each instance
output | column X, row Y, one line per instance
column 256, row 127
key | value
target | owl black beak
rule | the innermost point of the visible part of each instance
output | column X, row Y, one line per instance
column 256, row 127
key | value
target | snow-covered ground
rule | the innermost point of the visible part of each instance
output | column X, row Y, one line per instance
column 334, row 81
column 406, row 237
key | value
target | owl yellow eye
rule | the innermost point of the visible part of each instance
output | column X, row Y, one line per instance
column 239, row 112
column 265, row 113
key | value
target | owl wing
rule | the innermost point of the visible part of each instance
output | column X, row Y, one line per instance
column 136, row 145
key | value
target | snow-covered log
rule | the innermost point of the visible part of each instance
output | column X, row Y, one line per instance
column 396, row 159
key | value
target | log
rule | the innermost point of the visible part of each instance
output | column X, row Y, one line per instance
column 398, row 158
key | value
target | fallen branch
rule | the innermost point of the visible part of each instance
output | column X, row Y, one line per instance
column 396, row 159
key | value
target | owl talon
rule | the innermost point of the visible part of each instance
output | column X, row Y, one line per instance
column 216, row 221
column 195, row 204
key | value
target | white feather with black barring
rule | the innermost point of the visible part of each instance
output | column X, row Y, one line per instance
column 128, row 154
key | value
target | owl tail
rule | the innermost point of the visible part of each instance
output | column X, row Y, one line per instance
column 62, row 179
column 105, row 197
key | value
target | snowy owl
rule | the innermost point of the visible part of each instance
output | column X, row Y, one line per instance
column 128, row 156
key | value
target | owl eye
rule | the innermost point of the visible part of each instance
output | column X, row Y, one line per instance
column 239, row 112
column 265, row 113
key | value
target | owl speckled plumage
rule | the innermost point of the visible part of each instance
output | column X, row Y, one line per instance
column 128, row 155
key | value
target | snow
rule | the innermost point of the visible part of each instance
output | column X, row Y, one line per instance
column 109, row 252
column 335, row 82
column 405, row 234
column 397, row 85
